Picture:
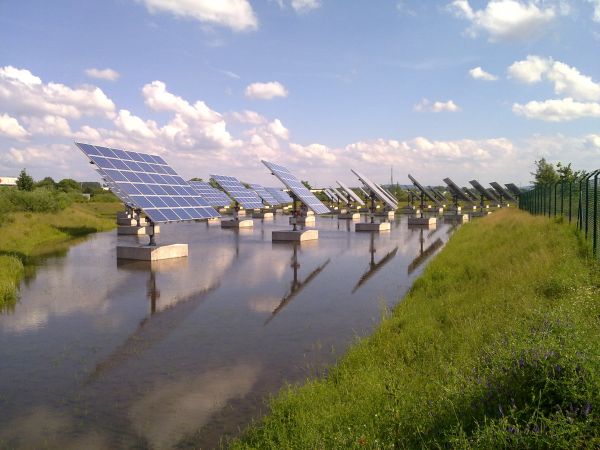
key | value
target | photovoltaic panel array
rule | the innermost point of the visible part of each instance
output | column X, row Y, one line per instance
column 424, row 191
column 329, row 194
column 363, row 192
column 264, row 194
column 147, row 182
column 438, row 194
column 351, row 193
column 471, row 193
column 294, row 185
column 483, row 191
column 213, row 196
column 456, row 191
column 375, row 189
column 282, row 197
column 503, row 192
column 388, row 194
column 334, row 195
column 513, row 188
column 339, row 194
column 236, row 190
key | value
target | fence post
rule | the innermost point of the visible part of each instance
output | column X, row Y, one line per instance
column 570, row 198
column 595, row 221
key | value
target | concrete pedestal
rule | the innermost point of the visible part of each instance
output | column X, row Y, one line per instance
column 131, row 222
column 454, row 210
column 262, row 215
column 239, row 223
column 308, row 220
column 387, row 214
column 136, row 231
column 124, row 215
column 310, row 213
column 351, row 216
column 383, row 226
column 152, row 253
column 241, row 213
column 481, row 213
column 422, row 221
column 294, row 236
column 456, row 218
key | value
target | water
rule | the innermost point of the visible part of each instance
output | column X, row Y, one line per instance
column 101, row 353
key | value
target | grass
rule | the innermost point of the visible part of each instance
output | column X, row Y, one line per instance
column 25, row 235
column 495, row 346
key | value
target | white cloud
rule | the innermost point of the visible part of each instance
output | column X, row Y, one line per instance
column 560, row 110
column 404, row 9
column 235, row 14
column 304, row 6
column 24, row 93
column 507, row 19
column 11, row 128
column 248, row 116
column 128, row 123
column 313, row 154
column 596, row 4
column 47, row 125
column 277, row 128
column 427, row 106
column 567, row 80
column 103, row 74
column 479, row 74
column 266, row 91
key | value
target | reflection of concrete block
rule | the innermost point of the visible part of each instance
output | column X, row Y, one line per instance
column 383, row 226
column 152, row 253
column 294, row 236
column 136, row 231
column 262, row 215
column 422, row 221
column 352, row 216
column 233, row 223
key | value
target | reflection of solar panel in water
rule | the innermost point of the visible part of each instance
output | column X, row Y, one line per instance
column 513, row 189
column 213, row 196
column 456, row 191
column 236, row 190
column 351, row 193
column 375, row 189
column 503, row 192
column 483, row 191
column 282, row 197
column 150, row 184
column 299, row 190
column 424, row 191
column 264, row 194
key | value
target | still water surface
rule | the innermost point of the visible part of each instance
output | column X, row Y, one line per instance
column 101, row 353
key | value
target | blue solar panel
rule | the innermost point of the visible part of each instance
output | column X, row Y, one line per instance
column 264, row 194
column 146, row 182
column 282, row 197
column 294, row 185
column 375, row 189
column 236, row 190
column 213, row 196
column 351, row 193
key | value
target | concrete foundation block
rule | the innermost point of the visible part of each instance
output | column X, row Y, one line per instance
column 237, row 223
column 294, row 236
column 386, row 214
column 310, row 213
column 351, row 216
column 456, row 218
column 422, row 221
column 453, row 210
column 152, row 253
column 383, row 226
column 262, row 215
column 127, row 230
column 308, row 220
column 131, row 222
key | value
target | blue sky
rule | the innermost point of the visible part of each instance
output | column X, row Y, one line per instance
column 433, row 88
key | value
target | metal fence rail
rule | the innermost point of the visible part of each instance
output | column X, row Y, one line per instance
column 577, row 201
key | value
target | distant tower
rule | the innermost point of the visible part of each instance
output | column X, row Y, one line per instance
column 391, row 175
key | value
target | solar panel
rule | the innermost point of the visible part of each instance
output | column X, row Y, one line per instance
column 264, row 194
column 351, row 193
column 424, row 191
column 471, row 193
column 339, row 194
column 364, row 192
column 149, row 183
column 294, row 185
column 388, row 194
column 483, row 191
column 213, row 196
column 236, row 190
column 336, row 195
column 329, row 195
column 513, row 189
column 503, row 192
column 438, row 194
column 281, row 196
column 375, row 189
column 455, row 190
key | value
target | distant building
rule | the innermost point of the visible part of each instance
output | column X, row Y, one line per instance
column 8, row 181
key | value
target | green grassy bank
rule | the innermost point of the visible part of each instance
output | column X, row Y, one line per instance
column 24, row 235
column 495, row 346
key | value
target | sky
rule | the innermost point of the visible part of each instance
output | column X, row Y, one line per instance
column 459, row 88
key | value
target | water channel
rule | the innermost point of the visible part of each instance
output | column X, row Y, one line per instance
column 100, row 353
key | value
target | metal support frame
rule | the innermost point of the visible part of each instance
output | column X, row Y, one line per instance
column 373, row 198
column 151, row 234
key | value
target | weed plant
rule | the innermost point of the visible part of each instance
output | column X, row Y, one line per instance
column 495, row 346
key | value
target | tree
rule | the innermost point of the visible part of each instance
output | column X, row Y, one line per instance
column 567, row 174
column 46, row 183
column 545, row 173
column 307, row 184
column 24, row 181
column 68, row 185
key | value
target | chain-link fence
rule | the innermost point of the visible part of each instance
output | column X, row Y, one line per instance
column 577, row 201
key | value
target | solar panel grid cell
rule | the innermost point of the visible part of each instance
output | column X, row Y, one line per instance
column 282, row 197
column 213, row 196
column 139, row 180
column 264, row 195
column 236, row 190
column 351, row 193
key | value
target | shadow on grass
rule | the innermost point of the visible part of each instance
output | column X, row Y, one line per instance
column 77, row 231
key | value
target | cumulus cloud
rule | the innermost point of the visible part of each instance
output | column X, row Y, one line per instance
column 479, row 74
column 247, row 116
column 304, row 6
column 47, row 125
column 427, row 106
column 559, row 110
column 103, row 74
column 23, row 93
column 507, row 19
column 237, row 15
column 596, row 14
column 11, row 128
column 266, row 91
